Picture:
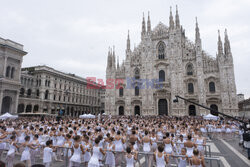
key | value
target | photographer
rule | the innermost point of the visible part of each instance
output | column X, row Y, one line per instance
column 246, row 138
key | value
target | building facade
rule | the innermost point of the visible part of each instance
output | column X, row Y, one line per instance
column 244, row 108
column 179, row 67
column 45, row 90
column 11, row 57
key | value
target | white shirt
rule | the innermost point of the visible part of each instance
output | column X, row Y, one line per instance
column 47, row 154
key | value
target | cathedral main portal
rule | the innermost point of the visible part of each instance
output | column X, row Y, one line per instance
column 163, row 107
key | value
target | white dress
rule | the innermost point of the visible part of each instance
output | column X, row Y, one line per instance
column 199, row 142
column 160, row 161
column 154, row 144
column 182, row 162
column 146, row 147
column 168, row 148
column 190, row 151
column 110, row 158
column 87, row 155
column 67, row 149
column 118, row 145
column 94, row 160
column 12, row 149
column 76, row 157
column 130, row 161
column 25, row 154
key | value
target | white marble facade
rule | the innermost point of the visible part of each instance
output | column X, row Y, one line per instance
column 182, row 67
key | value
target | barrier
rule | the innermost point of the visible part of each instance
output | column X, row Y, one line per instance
column 143, row 154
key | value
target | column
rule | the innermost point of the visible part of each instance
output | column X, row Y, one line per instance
column 5, row 65
column 1, row 99
column 16, row 104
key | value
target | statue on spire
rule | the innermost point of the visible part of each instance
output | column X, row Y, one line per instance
column 171, row 20
column 148, row 24
column 143, row 31
column 220, row 49
column 177, row 20
column 197, row 33
column 227, row 48
column 128, row 42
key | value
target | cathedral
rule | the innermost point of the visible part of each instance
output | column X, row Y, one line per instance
column 165, row 64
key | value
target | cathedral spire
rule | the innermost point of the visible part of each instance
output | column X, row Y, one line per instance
column 113, row 57
column 227, row 48
column 148, row 23
column 171, row 20
column 177, row 20
column 143, row 31
column 118, row 62
column 197, row 34
column 128, row 42
column 220, row 49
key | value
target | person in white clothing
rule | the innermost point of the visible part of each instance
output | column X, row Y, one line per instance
column 160, row 157
column 130, row 157
column 77, row 151
column 94, row 160
column 11, row 153
column 48, row 153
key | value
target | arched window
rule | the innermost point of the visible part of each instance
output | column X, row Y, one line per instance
column 136, row 91
column 161, row 50
column 46, row 94
column 29, row 92
column 190, row 88
column 7, row 72
column 12, row 72
column 162, row 76
column 211, row 87
column 137, row 73
column 37, row 93
column 189, row 69
column 121, row 92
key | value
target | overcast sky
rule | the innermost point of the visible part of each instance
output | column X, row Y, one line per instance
column 74, row 35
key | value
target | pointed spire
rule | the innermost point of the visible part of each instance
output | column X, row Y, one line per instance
column 171, row 20
column 177, row 20
column 118, row 62
column 227, row 48
column 143, row 31
column 197, row 32
column 220, row 49
column 148, row 23
column 113, row 57
column 128, row 42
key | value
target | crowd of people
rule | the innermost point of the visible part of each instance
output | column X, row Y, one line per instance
column 111, row 141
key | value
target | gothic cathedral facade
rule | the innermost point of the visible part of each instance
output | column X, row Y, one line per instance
column 179, row 66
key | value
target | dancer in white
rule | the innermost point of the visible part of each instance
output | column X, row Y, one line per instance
column 189, row 146
column 11, row 153
column 183, row 161
column 197, row 161
column 94, row 160
column 110, row 158
column 77, row 150
column 130, row 157
column 48, row 153
column 161, row 158
column 88, row 146
column 147, row 148
column 26, row 153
